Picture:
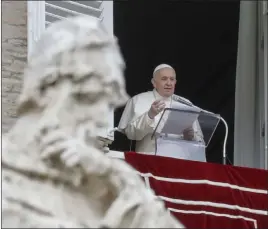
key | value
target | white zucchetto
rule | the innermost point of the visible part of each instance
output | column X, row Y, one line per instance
column 161, row 66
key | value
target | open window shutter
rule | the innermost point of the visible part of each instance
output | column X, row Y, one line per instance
column 57, row 10
column 250, row 141
column 42, row 13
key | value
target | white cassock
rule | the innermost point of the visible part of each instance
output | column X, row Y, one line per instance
column 136, row 124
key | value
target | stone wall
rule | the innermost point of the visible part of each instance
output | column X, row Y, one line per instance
column 14, row 57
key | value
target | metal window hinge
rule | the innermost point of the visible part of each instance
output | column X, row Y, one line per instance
column 263, row 130
column 262, row 42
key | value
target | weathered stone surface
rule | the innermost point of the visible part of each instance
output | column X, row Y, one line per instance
column 54, row 171
column 14, row 57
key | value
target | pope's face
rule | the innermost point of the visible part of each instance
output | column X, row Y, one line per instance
column 164, row 81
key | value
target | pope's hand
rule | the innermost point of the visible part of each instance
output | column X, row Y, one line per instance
column 156, row 107
column 188, row 134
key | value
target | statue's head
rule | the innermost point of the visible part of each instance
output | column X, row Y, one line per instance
column 74, row 77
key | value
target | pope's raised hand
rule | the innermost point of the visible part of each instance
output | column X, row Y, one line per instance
column 156, row 107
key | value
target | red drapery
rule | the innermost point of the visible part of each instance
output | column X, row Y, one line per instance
column 207, row 195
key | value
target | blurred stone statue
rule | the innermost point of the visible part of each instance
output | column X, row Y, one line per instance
column 54, row 172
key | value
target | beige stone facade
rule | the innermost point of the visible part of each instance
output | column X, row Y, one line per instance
column 14, row 57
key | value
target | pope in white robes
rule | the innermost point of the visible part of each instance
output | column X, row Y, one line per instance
column 143, row 111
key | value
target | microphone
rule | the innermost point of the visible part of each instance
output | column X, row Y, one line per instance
column 182, row 100
column 188, row 103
